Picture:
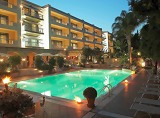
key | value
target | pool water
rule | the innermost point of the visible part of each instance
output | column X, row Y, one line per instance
column 69, row 85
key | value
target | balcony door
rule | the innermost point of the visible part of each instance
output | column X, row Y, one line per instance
column 4, row 38
column 3, row 19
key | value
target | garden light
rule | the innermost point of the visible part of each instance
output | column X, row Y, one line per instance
column 78, row 100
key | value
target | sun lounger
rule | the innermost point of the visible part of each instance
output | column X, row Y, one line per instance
column 148, row 101
column 150, row 89
column 149, row 92
column 146, row 108
column 152, row 85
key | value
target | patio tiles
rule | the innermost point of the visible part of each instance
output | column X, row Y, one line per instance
column 122, row 102
column 53, row 110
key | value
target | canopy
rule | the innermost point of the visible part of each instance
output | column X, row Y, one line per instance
column 4, row 55
column 59, row 55
column 44, row 54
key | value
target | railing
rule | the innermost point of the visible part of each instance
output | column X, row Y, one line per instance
column 31, row 44
column 35, row 30
column 9, row 23
column 76, row 27
column 88, row 31
column 8, row 41
column 39, row 16
column 109, row 87
column 54, row 20
column 87, row 39
column 10, row 5
column 60, row 34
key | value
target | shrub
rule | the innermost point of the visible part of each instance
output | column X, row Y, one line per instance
column 13, row 101
column 60, row 61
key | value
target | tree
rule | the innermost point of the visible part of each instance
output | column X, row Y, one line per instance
column 52, row 63
column 96, row 52
column 14, row 61
column 39, row 62
column 120, row 47
column 60, row 61
column 150, row 42
column 135, row 41
column 125, row 24
column 87, row 51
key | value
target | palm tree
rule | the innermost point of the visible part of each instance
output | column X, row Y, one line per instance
column 125, row 24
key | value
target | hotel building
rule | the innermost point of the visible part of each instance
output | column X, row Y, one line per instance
column 29, row 29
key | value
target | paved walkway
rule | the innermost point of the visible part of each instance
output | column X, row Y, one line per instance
column 119, row 106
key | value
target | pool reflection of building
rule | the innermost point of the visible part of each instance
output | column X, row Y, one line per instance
column 29, row 29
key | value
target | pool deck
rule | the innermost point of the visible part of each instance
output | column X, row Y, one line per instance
column 116, row 105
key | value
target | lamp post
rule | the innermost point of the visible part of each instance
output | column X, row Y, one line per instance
column 6, row 80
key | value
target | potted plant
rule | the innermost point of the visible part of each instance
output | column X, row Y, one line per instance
column 90, row 94
column 14, row 104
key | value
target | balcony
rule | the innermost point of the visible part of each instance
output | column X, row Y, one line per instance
column 57, row 22
column 59, row 47
column 10, row 43
column 9, row 25
column 87, row 31
column 32, row 16
column 32, row 44
column 89, row 40
column 60, row 35
column 8, row 6
column 34, row 31
column 76, row 28
column 96, row 34
column 96, row 41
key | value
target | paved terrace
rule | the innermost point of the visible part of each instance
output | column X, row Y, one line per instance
column 116, row 105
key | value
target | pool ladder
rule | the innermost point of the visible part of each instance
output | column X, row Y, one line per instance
column 109, row 86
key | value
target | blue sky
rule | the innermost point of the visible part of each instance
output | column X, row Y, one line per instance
column 101, row 13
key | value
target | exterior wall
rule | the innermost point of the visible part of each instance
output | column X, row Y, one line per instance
column 108, row 42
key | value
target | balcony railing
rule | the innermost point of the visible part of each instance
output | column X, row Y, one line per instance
column 59, row 47
column 87, row 39
column 59, row 34
column 76, row 27
column 88, row 31
column 9, row 23
column 35, row 30
column 9, row 42
column 38, row 16
column 7, row 4
column 59, row 22
column 31, row 44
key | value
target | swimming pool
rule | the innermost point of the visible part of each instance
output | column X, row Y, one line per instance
column 69, row 85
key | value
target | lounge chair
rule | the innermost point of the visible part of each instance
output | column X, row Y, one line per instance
column 149, row 92
column 150, row 89
column 147, row 101
column 152, row 85
column 146, row 108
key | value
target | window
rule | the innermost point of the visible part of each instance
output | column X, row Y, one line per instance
column 34, row 27
column 57, row 31
column 87, row 38
column 26, row 10
column 74, row 25
column 86, row 29
column 57, row 43
column 58, row 20
column 74, row 35
column 74, row 45
column 3, row 19
column 4, row 38
column 32, row 12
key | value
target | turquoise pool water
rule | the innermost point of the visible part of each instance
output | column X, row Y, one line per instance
column 69, row 85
